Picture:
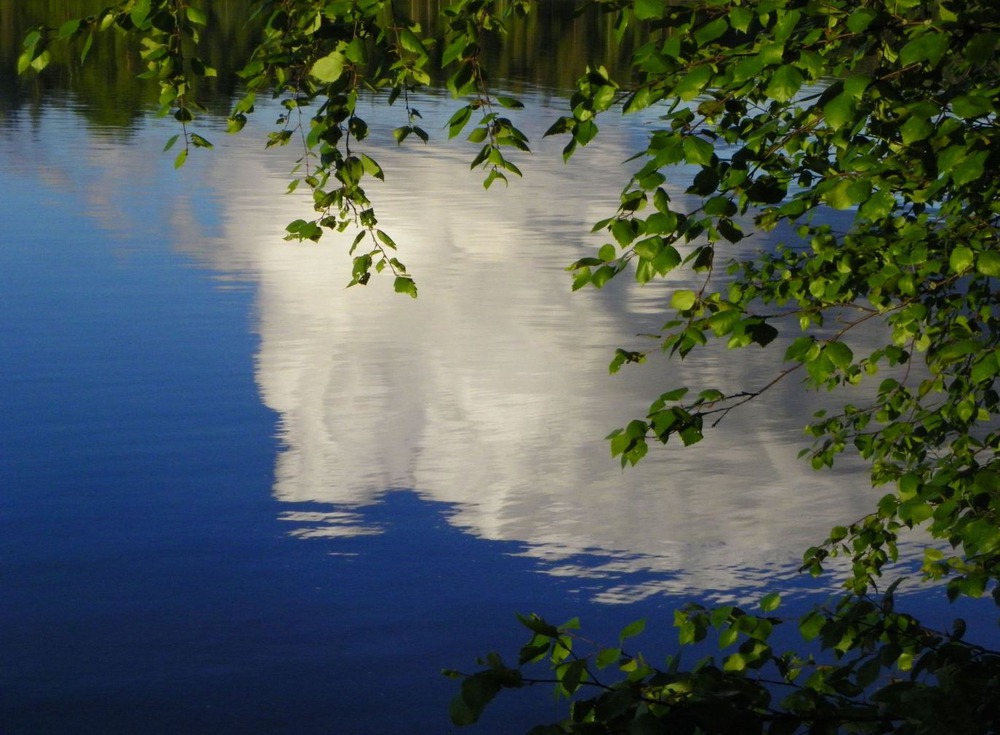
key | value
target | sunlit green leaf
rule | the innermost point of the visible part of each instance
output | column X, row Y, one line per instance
column 785, row 83
column 840, row 354
column 988, row 263
column 961, row 259
column 196, row 15
column 683, row 300
column 692, row 83
column 329, row 68
column 697, row 151
column 770, row 602
column 411, row 42
column 840, row 111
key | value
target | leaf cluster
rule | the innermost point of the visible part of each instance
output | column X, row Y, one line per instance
column 318, row 58
column 787, row 113
column 871, row 670
column 836, row 163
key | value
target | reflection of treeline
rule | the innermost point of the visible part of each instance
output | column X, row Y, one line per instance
column 548, row 49
column 106, row 87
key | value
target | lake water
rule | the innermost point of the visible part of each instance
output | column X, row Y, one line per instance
column 240, row 498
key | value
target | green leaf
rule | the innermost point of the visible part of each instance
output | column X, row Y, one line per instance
column 510, row 103
column 811, row 624
column 649, row 248
column 607, row 657
column 570, row 675
column 735, row 662
column 196, row 15
column 971, row 106
column 843, row 195
column 199, row 142
column 728, row 637
column 385, row 239
column 478, row 690
column 602, row 275
column 362, row 264
column 971, row 169
column 711, row 31
column 697, row 151
column 784, row 84
column 38, row 63
column 982, row 46
column 411, row 42
column 692, row 83
column 455, row 50
column 537, row 625
column 683, row 300
column 915, row 129
column 405, row 284
column 372, row 168
column 632, row 629
column 860, row 19
column 988, row 263
column 666, row 260
column 691, row 435
column 953, row 351
column 330, row 68
column 770, row 602
column 740, row 18
column 913, row 512
column 68, row 28
column 840, row 354
column 799, row 348
column 724, row 322
column 356, row 52
column 878, row 206
column 674, row 395
column 840, row 111
column 928, row 46
column 855, row 86
column 139, row 13
column 648, row 9
column 985, row 368
column 961, row 259
column 459, row 120
column 87, row 44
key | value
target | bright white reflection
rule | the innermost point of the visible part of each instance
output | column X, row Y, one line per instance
column 491, row 392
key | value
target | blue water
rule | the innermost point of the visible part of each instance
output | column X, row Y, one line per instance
column 149, row 583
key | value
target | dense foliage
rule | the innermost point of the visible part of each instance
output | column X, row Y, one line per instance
column 884, row 111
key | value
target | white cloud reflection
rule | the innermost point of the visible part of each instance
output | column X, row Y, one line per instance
column 490, row 392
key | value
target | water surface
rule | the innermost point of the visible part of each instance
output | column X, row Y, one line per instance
column 240, row 498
